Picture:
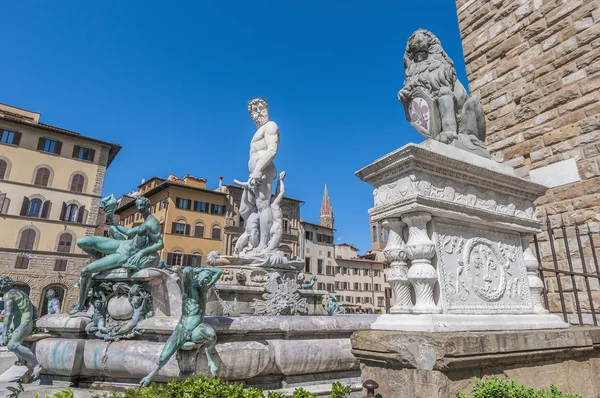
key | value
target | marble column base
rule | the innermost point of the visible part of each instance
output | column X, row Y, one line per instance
column 460, row 322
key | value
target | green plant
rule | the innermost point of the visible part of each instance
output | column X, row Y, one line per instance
column 340, row 391
column 494, row 387
column 15, row 391
column 302, row 393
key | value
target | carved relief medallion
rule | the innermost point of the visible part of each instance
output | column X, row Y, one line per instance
column 481, row 271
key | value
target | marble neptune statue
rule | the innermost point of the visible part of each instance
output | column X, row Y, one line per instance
column 19, row 321
column 261, row 210
column 191, row 329
column 132, row 254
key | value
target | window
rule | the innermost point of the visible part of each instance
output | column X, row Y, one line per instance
column 320, row 286
column 307, row 265
column 346, row 285
column 376, row 273
column 366, row 286
column 50, row 146
column 192, row 260
column 329, row 270
column 319, row 266
column 322, row 238
column 355, row 271
column 366, row 272
column 217, row 209
column 216, row 233
column 377, row 287
column 35, row 208
column 71, row 213
column 199, row 231
column 308, row 235
column 22, row 262
column 60, row 265
column 286, row 225
column 162, row 204
column 42, row 177
column 64, row 243
column 3, row 168
column 179, row 228
column 356, row 286
column 82, row 153
column 380, row 301
column 201, row 207
column 10, row 137
column 374, row 233
column 358, row 300
column 2, row 201
column 174, row 258
column 27, row 240
column 77, row 183
column 330, row 287
column 329, row 254
column 349, row 299
column 338, row 285
column 184, row 204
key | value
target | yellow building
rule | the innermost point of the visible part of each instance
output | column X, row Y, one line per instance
column 191, row 217
column 51, row 183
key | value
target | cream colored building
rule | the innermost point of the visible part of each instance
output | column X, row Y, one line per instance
column 51, row 183
column 360, row 283
column 357, row 281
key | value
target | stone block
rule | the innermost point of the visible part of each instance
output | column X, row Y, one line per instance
column 560, row 12
column 560, row 135
column 437, row 364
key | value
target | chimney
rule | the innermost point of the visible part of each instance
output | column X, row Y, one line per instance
column 220, row 182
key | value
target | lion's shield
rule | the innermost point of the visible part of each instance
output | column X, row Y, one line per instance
column 422, row 113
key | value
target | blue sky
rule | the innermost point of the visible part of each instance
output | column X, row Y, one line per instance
column 169, row 81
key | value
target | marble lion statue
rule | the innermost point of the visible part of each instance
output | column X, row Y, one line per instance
column 428, row 68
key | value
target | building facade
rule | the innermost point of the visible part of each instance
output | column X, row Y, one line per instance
column 234, row 223
column 51, row 183
column 357, row 281
column 360, row 282
column 535, row 64
column 191, row 217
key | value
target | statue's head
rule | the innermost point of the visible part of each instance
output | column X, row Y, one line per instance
column 259, row 111
column 426, row 64
column 50, row 294
column 142, row 203
column 5, row 284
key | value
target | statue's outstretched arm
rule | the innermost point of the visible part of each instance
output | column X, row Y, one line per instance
column 215, row 275
column 159, row 245
column 279, row 193
column 125, row 231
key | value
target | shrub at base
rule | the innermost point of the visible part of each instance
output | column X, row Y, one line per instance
column 505, row 388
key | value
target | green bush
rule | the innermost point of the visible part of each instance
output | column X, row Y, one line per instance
column 203, row 387
column 505, row 388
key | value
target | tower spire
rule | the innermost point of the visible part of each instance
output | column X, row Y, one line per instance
column 326, row 218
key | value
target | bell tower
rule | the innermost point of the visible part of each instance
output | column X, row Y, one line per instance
column 326, row 218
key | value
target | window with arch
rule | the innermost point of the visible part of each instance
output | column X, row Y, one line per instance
column 175, row 259
column 193, row 260
column 3, row 169
column 27, row 240
column 374, row 233
column 216, row 232
column 64, row 242
column 59, row 294
column 77, row 183
column 42, row 177
column 199, row 230
column 35, row 208
column 382, row 237
column 71, row 213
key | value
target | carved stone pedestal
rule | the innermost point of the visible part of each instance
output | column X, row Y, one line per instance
column 469, row 220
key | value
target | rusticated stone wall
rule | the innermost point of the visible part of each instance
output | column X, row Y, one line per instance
column 535, row 64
